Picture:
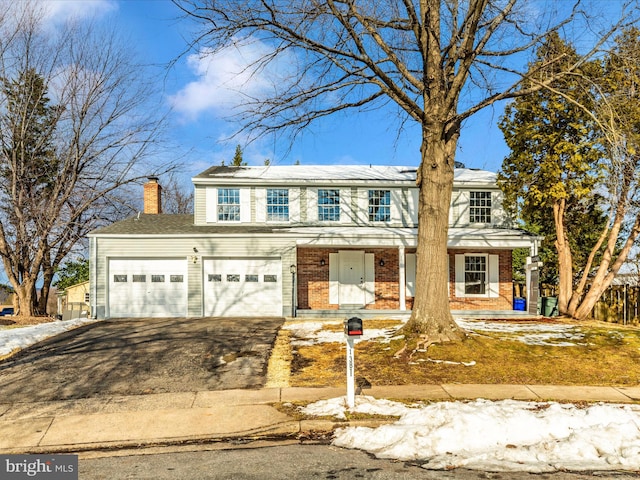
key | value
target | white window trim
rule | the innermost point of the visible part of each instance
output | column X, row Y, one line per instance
column 493, row 276
column 491, row 209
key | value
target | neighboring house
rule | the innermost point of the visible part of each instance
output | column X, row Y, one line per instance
column 301, row 240
column 73, row 301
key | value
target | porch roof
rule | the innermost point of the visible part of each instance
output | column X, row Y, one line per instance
column 182, row 226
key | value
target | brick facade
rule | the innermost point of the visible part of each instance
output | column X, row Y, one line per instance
column 313, row 281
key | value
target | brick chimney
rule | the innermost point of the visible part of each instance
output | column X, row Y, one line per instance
column 152, row 196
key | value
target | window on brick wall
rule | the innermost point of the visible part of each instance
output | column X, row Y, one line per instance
column 477, row 275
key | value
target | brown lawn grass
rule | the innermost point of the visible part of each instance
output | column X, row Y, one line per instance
column 608, row 354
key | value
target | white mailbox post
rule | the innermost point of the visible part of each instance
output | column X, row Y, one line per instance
column 353, row 331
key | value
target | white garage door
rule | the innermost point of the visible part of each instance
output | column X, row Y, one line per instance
column 147, row 287
column 236, row 287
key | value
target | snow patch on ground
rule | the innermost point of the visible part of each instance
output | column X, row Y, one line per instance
column 505, row 435
column 22, row 337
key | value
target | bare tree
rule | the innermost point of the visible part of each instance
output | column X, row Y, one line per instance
column 438, row 61
column 74, row 132
column 176, row 198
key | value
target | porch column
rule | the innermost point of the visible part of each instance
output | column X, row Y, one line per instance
column 402, row 285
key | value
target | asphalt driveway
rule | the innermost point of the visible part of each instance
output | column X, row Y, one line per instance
column 141, row 356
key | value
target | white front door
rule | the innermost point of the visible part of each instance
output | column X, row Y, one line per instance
column 352, row 281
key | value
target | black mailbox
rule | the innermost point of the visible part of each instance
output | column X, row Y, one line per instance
column 353, row 326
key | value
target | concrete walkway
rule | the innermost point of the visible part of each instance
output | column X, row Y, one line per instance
column 175, row 418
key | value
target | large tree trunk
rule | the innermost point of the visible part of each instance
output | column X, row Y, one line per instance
column 565, row 262
column 47, row 279
column 431, row 315
column 25, row 298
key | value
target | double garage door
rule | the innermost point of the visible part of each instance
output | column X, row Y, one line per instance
column 231, row 287
column 242, row 286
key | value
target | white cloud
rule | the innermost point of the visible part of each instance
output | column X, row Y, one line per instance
column 227, row 77
column 62, row 10
column 56, row 12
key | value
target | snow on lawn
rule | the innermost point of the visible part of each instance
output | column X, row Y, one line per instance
column 312, row 333
column 306, row 333
column 22, row 337
column 505, row 435
column 529, row 332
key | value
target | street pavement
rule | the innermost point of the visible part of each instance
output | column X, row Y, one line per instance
column 118, row 422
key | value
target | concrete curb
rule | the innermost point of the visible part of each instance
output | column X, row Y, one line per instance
column 191, row 418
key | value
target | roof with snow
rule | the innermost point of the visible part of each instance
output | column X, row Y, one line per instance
column 333, row 173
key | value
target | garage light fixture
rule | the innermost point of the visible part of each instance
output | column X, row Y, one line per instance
column 322, row 262
column 292, row 269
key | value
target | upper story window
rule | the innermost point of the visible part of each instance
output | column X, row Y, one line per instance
column 480, row 207
column 278, row 204
column 229, row 204
column 379, row 205
column 328, row 205
column 475, row 275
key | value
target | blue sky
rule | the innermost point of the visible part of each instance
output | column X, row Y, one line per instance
column 198, row 125
column 195, row 90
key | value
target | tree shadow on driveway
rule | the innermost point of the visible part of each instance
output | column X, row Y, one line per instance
column 142, row 356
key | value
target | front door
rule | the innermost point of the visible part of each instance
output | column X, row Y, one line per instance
column 352, row 281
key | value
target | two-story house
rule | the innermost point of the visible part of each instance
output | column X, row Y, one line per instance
column 300, row 240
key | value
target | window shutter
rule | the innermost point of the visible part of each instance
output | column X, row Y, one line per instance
column 245, row 205
column 396, row 206
column 211, row 207
column 346, row 212
column 498, row 216
column 334, row 269
column 294, row 205
column 494, row 276
column 312, row 205
column 463, row 209
column 410, row 274
column 459, row 275
column 363, row 205
column 261, row 205
column 369, row 279
column 413, row 205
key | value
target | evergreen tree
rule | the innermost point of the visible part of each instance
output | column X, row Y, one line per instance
column 237, row 158
column 551, row 177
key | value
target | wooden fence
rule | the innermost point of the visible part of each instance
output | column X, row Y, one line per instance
column 618, row 304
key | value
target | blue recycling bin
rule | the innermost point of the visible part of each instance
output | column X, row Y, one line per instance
column 520, row 304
